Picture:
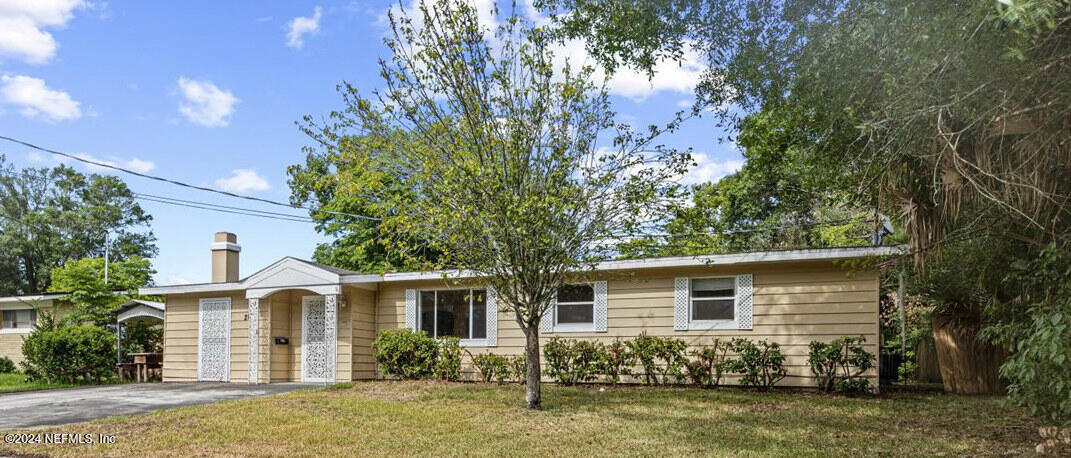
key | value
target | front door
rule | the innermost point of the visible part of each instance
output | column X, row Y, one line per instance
column 214, row 340
column 313, row 340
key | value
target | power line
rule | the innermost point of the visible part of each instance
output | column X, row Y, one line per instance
column 179, row 183
column 226, row 207
column 222, row 210
column 738, row 231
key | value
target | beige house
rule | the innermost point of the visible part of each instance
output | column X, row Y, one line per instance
column 301, row 321
column 19, row 316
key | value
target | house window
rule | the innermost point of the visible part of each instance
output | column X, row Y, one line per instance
column 713, row 299
column 459, row 313
column 19, row 319
column 575, row 306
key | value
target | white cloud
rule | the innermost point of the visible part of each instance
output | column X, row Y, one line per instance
column 710, row 169
column 205, row 104
column 243, row 180
column 135, row 164
column 301, row 26
column 22, row 23
column 36, row 100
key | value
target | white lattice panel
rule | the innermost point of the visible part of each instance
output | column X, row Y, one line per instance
column 330, row 332
column 681, row 296
column 314, row 361
column 492, row 316
column 411, row 309
column 214, row 337
column 254, row 339
column 599, row 312
column 744, row 301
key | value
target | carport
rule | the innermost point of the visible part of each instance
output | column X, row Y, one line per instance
column 143, row 312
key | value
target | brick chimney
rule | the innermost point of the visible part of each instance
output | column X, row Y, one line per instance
column 225, row 251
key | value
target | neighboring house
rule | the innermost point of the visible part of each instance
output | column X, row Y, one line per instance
column 301, row 321
column 19, row 315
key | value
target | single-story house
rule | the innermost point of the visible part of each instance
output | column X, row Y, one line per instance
column 296, row 320
column 19, row 315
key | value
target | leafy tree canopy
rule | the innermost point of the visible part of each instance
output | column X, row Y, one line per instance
column 83, row 281
column 51, row 216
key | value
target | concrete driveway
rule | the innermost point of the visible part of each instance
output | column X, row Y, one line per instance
column 57, row 407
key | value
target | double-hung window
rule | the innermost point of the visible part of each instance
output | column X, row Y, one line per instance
column 459, row 313
column 713, row 300
column 575, row 308
column 18, row 320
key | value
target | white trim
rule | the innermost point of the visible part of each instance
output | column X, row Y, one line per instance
column 474, row 343
column 16, row 330
column 140, row 311
column 709, row 325
column 28, row 299
column 556, row 327
column 366, row 280
column 227, row 246
column 200, row 304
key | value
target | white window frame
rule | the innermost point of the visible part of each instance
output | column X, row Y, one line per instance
column 712, row 324
column 26, row 330
column 478, row 342
column 574, row 327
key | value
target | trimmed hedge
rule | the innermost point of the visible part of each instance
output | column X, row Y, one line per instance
column 69, row 354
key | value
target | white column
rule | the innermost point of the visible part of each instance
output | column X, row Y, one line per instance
column 331, row 335
column 254, row 340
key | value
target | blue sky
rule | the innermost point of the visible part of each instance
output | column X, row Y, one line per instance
column 208, row 93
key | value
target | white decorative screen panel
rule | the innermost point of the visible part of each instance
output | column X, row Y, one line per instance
column 546, row 324
column 330, row 333
column 599, row 312
column 214, row 340
column 254, row 339
column 681, row 297
column 314, row 346
column 744, row 301
column 492, row 316
column 411, row 309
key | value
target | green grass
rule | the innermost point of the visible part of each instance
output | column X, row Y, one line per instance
column 10, row 383
column 407, row 418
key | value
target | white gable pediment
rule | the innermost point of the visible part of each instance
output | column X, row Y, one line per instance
column 290, row 273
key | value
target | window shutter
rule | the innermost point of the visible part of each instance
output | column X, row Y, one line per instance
column 680, row 303
column 410, row 309
column 547, row 323
column 600, row 306
column 744, row 303
column 492, row 316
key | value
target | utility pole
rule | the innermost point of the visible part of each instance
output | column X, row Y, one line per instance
column 903, row 316
column 107, row 252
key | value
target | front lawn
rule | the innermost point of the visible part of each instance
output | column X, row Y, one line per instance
column 389, row 418
column 10, row 383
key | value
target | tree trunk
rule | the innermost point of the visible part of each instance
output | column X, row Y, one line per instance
column 533, row 392
column 968, row 365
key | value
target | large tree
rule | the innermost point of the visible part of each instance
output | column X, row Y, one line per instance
column 483, row 148
column 49, row 216
column 960, row 116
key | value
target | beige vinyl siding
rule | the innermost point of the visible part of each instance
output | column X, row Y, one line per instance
column 362, row 318
column 180, row 336
column 794, row 303
column 279, row 369
column 11, row 342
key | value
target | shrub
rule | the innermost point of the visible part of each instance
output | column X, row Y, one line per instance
column 448, row 359
column 519, row 368
column 70, row 354
column 708, row 364
column 838, row 366
column 762, row 364
column 491, row 367
column 660, row 357
column 572, row 361
column 405, row 354
column 616, row 360
column 6, row 365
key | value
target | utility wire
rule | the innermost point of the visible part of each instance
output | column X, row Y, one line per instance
column 222, row 210
column 226, row 207
column 179, row 183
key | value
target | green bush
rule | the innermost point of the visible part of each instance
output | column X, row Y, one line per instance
column 519, row 368
column 405, row 354
column 572, row 361
column 616, row 360
column 708, row 365
column 6, row 365
column 838, row 366
column 762, row 364
column 491, row 367
column 660, row 358
column 448, row 359
column 69, row 354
